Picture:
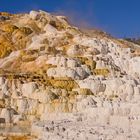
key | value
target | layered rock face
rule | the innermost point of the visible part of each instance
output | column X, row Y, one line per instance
column 63, row 83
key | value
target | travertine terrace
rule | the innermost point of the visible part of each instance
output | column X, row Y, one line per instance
column 58, row 82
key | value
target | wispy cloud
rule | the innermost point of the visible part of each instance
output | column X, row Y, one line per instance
column 80, row 16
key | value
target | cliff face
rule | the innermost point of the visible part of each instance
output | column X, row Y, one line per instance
column 52, row 71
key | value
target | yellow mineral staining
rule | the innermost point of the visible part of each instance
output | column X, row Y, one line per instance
column 82, row 59
column 123, row 43
column 72, row 96
column 44, row 68
column 6, row 46
column 58, row 25
column 27, row 52
column 64, row 49
column 25, row 30
column 63, row 83
column 29, row 67
column 56, row 105
column 37, row 71
column 45, row 41
column 136, row 52
column 69, row 36
column 70, row 107
column 61, row 105
column 103, row 72
column 9, row 28
column 2, row 103
column 50, row 50
column 4, row 50
column 5, row 14
column 17, row 35
column 65, row 107
column 73, row 30
column 51, row 107
column 27, row 56
column 20, row 37
column 91, row 64
column 13, row 38
column 33, row 26
column 19, row 138
column 21, row 44
column 85, row 91
column 28, row 22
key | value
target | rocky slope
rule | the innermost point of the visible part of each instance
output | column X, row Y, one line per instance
column 60, row 83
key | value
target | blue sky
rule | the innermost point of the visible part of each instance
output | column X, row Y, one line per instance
column 121, row 18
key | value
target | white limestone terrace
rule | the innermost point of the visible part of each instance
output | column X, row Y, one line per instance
column 99, row 98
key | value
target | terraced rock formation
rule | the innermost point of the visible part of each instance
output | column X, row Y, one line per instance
column 58, row 82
